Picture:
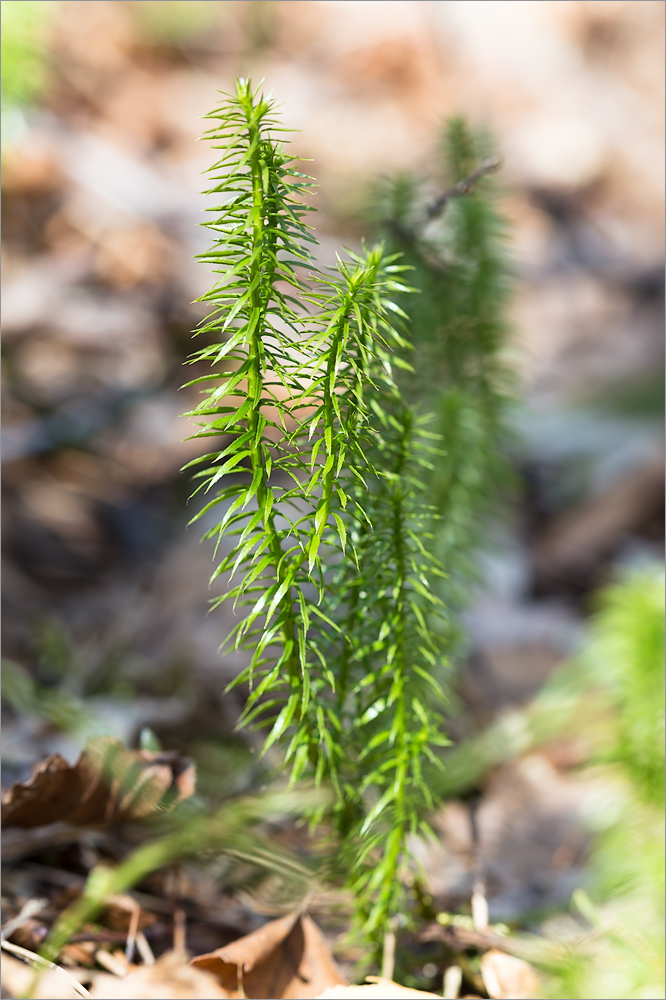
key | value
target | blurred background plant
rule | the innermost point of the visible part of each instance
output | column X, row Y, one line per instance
column 451, row 235
column 611, row 942
column 25, row 57
column 622, row 665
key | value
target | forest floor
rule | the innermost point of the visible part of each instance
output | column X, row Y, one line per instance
column 105, row 591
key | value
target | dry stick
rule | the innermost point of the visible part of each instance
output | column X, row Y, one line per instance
column 144, row 899
column 110, row 962
column 144, row 949
column 438, row 206
column 27, row 911
column 132, row 932
column 388, row 954
column 488, row 166
column 179, row 918
column 453, row 978
column 479, row 901
column 41, row 965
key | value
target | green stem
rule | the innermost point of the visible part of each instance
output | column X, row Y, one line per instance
column 396, row 840
column 261, row 273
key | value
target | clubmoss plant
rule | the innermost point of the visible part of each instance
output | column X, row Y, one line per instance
column 329, row 562
column 448, row 230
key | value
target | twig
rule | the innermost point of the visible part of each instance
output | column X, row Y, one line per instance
column 388, row 955
column 488, row 166
column 461, row 939
column 112, row 963
column 144, row 949
column 41, row 965
column 480, row 906
column 179, row 918
column 132, row 932
column 453, row 978
column 409, row 236
column 27, row 911
column 479, row 901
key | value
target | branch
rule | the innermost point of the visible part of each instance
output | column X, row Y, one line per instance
column 488, row 166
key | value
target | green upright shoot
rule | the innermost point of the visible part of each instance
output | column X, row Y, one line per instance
column 324, row 539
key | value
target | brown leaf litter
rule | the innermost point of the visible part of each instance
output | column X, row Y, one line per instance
column 507, row 976
column 287, row 958
column 107, row 784
column 170, row 978
column 375, row 989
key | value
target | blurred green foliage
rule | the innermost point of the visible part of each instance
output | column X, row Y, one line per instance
column 54, row 705
column 24, row 64
column 621, row 955
column 233, row 831
column 625, row 656
column 173, row 21
column 450, row 233
column 612, row 695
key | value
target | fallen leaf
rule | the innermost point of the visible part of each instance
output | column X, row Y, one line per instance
column 108, row 783
column 506, row 976
column 379, row 989
column 286, row 959
column 170, row 978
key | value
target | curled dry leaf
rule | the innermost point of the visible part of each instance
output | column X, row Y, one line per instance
column 506, row 976
column 170, row 978
column 377, row 989
column 107, row 784
column 287, row 959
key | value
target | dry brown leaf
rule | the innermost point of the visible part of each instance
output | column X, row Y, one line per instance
column 506, row 976
column 378, row 989
column 287, row 959
column 108, row 783
column 170, row 978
